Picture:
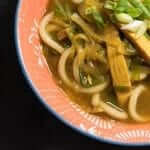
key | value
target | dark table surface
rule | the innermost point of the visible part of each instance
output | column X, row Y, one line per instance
column 24, row 123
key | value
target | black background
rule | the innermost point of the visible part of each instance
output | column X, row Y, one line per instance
column 24, row 123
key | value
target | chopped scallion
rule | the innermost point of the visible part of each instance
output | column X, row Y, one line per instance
column 110, row 5
column 147, row 4
column 96, row 16
column 134, row 12
column 122, row 6
column 140, row 5
column 59, row 10
column 124, row 18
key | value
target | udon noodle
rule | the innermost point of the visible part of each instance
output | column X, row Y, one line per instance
column 99, row 53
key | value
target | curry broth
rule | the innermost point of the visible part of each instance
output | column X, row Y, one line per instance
column 143, row 105
column 84, row 100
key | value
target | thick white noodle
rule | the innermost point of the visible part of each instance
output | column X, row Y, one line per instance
column 76, row 69
column 62, row 67
column 133, row 103
column 85, row 27
column 80, row 50
column 45, row 36
column 121, row 115
column 74, row 85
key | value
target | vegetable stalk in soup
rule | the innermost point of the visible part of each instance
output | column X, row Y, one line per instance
column 99, row 53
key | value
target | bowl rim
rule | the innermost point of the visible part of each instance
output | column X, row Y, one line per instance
column 49, row 108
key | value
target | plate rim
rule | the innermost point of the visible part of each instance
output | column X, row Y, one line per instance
column 49, row 108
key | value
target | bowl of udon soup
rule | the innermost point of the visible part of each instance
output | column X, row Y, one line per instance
column 88, row 61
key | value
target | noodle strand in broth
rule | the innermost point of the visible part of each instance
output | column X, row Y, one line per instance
column 101, row 64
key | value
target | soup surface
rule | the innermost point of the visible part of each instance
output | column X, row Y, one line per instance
column 99, row 54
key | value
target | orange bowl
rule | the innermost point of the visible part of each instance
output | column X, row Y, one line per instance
column 39, row 76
